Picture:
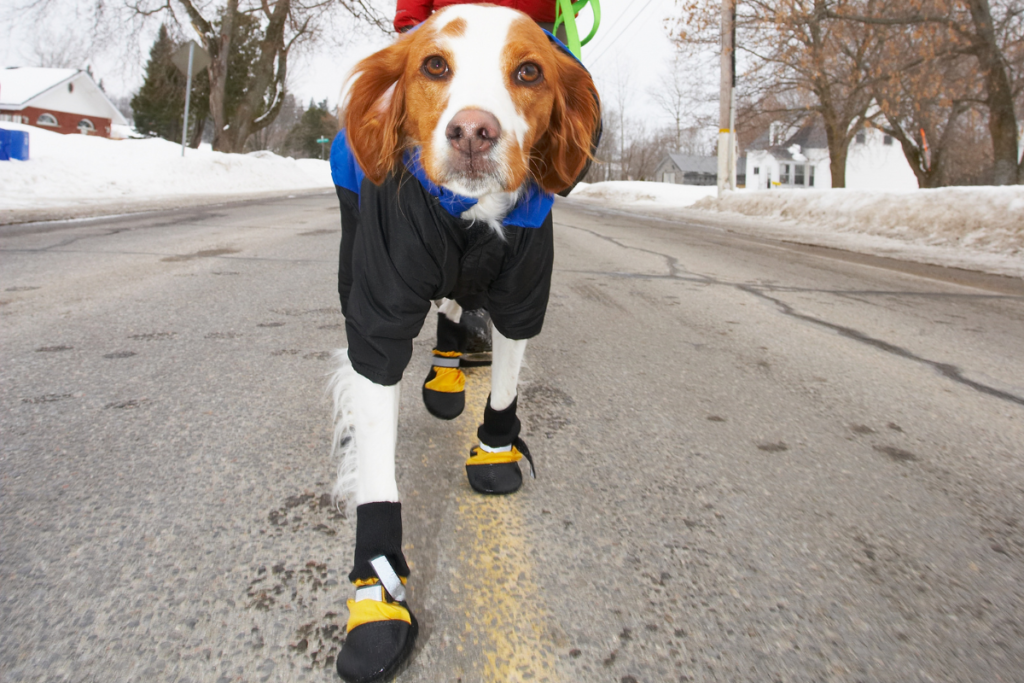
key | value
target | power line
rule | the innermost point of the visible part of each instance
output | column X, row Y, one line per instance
column 620, row 33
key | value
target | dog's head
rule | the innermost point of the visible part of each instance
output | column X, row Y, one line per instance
column 485, row 95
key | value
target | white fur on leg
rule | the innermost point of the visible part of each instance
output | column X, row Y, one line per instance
column 450, row 309
column 365, row 434
column 506, row 360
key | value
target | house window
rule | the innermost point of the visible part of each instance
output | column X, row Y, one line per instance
column 14, row 118
column 47, row 120
column 887, row 140
column 784, row 174
column 798, row 175
column 85, row 127
column 757, row 170
column 862, row 138
column 668, row 177
column 71, row 87
column 810, row 176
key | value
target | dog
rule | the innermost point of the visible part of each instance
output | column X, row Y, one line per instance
column 454, row 140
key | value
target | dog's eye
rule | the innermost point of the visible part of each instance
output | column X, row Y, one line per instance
column 528, row 73
column 435, row 67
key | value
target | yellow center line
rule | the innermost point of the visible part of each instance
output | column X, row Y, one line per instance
column 496, row 586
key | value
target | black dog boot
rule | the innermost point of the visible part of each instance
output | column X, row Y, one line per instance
column 477, row 348
column 493, row 466
column 381, row 629
column 444, row 390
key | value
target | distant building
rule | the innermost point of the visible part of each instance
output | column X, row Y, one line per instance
column 687, row 169
column 788, row 159
column 61, row 100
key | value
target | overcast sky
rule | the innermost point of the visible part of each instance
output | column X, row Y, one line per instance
column 632, row 45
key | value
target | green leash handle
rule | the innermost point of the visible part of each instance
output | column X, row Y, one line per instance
column 565, row 13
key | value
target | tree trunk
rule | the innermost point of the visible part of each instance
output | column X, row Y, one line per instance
column 223, row 136
column 197, row 134
column 247, row 118
column 837, row 135
column 1002, row 121
column 930, row 172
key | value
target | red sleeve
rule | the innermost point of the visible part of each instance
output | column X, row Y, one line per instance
column 539, row 10
column 412, row 12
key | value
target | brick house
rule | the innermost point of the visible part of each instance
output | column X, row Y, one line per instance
column 62, row 100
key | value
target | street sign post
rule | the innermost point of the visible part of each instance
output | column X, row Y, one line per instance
column 190, row 59
column 322, row 141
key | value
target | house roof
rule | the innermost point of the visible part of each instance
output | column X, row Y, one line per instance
column 810, row 136
column 22, row 87
column 18, row 85
column 689, row 163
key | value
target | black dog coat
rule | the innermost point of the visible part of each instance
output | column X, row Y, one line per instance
column 404, row 245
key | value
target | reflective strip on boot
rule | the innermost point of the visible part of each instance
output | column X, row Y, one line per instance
column 372, row 603
column 446, row 359
column 448, row 378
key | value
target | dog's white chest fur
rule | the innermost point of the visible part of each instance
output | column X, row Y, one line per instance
column 492, row 208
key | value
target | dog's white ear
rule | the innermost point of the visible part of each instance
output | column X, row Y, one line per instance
column 375, row 111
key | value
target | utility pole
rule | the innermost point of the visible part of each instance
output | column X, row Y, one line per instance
column 727, row 102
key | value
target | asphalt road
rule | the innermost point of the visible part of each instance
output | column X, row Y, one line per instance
column 756, row 462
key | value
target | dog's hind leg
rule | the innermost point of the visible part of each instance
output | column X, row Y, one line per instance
column 444, row 389
column 493, row 466
column 381, row 630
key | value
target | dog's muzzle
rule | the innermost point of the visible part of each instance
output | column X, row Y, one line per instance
column 472, row 136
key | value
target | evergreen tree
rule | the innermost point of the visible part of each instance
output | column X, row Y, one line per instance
column 316, row 122
column 158, row 106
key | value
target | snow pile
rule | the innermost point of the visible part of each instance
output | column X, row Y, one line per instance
column 634, row 193
column 979, row 228
column 988, row 219
column 72, row 170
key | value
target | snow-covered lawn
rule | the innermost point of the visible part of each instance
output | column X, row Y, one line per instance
column 640, row 194
column 979, row 228
column 75, row 170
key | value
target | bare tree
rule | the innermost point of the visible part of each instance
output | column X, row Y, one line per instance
column 990, row 31
column 795, row 48
column 683, row 97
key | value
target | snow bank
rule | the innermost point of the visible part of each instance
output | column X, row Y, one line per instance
column 71, row 170
column 978, row 228
column 989, row 219
column 629, row 192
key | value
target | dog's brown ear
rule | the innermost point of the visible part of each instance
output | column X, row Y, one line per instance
column 559, row 156
column 375, row 111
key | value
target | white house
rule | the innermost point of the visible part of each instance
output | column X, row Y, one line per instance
column 61, row 100
column 800, row 161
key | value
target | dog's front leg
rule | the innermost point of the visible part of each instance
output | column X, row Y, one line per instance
column 493, row 466
column 381, row 629
column 506, row 361
column 375, row 422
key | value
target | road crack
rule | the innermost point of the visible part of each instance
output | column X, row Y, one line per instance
column 679, row 272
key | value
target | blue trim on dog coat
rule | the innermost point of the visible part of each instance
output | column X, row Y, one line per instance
column 529, row 212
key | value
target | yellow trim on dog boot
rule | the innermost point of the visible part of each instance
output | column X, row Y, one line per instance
column 371, row 604
column 447, row 380
column 381, row 630
column 444, row 390
column 478, row 456
column 495, row 471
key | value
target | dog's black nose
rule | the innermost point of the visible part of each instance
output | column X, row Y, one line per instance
column 473, row 131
